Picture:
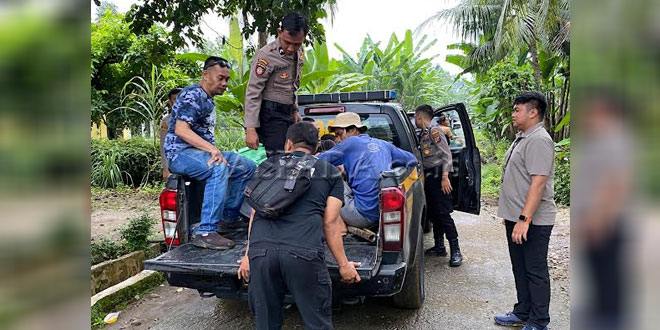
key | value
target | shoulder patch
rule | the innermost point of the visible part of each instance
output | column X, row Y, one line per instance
column 436, row 135
column 260, row 68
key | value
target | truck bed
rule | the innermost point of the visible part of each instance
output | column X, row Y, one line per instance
column 189, row 259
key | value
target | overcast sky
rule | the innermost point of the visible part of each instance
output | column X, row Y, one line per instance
column 355, row 19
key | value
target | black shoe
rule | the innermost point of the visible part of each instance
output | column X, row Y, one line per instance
column 212, row 241
column 456, row 258
column 232, row 225
column 433, row 251
column 436, row 251
column 440, row 247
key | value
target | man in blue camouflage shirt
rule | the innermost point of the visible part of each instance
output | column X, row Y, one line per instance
column 191, row 151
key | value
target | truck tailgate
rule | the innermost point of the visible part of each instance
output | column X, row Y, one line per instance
column 189, row 259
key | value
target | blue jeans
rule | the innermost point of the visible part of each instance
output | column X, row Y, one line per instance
column 219, row 200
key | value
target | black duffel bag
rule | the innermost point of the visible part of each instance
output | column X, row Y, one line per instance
column 278, row 182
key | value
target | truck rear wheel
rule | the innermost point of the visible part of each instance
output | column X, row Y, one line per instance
column 412, row 293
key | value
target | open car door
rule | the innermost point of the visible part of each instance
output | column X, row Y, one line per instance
column 466, row 177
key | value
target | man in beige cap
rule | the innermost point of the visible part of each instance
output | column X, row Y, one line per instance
column 363, row 158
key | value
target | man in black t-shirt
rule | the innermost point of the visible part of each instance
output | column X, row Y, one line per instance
column 287, row 253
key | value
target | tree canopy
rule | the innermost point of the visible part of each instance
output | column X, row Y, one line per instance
column 263, row 17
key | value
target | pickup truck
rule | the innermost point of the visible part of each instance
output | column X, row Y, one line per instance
column 392, row 266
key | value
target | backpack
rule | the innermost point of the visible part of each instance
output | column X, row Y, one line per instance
column 278, row 182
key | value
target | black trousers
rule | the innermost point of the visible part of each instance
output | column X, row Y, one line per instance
column 529, row 262
column 303, row 273
column 274, row 120
column 440, row 206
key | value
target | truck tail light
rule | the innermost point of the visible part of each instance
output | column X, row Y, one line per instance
column 392, row 217
column 168, row 212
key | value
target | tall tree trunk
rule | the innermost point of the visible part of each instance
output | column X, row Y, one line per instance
column 535, row 62
column 263, row 37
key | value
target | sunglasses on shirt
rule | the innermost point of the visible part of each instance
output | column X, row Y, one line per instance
column 221, row 63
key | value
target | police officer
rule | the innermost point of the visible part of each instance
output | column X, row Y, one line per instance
column 287, row 253
column 528, row 208
column 270, row 100
column 437, row 162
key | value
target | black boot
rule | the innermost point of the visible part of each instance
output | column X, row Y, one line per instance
column 456, row 258
column 439, row 248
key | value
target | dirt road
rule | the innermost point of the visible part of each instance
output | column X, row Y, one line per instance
column 456, row 298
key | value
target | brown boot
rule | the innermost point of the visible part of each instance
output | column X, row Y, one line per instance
column 212, row 241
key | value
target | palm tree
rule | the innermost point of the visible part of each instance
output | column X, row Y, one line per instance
column 500, row 28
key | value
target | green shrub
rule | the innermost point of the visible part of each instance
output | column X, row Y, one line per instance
column 106, row 250
column 230, row 138
column 137, row 160
column 563, row 181
column 491, row 150
column 136, row 233
column 491, row 175
column 105, row 171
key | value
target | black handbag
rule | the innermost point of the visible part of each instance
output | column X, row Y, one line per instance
column 278, row 182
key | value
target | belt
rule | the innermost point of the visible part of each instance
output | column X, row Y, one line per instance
column 276, row 105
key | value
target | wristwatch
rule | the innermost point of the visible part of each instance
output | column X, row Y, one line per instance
column 525, row 219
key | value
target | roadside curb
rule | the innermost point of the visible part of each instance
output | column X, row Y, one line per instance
column 108, row 299
column 112, row 272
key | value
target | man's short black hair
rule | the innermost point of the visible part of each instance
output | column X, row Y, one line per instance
column 425, row 110
column 303, row 134
column 173, row 91
column 535, row 100
column 328, row 136
column 295, row 22
column 212, row 60
column 325, row 145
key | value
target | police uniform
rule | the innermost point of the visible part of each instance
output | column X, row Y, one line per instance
column 270, row 99
column 287, row 255
column 436, row 159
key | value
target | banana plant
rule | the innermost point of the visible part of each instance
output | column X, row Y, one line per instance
column 232, row 50
column 322, row 75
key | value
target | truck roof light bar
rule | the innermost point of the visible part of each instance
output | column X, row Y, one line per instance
column 368, row 96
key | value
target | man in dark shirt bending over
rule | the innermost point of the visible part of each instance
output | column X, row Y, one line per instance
column 287, row 253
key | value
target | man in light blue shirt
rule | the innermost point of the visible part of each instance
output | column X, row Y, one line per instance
column 363, row 159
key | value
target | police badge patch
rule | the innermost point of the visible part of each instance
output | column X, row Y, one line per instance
column 436, row 136
column 260, row 68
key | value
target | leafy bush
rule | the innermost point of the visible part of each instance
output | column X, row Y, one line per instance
column 135, row 237
column 563, row 172
column 230, row 139
column 491, row 175
column 105, row 172
column 106, row 250
column 137, row 233
column 491, row 150
column 137, row 159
